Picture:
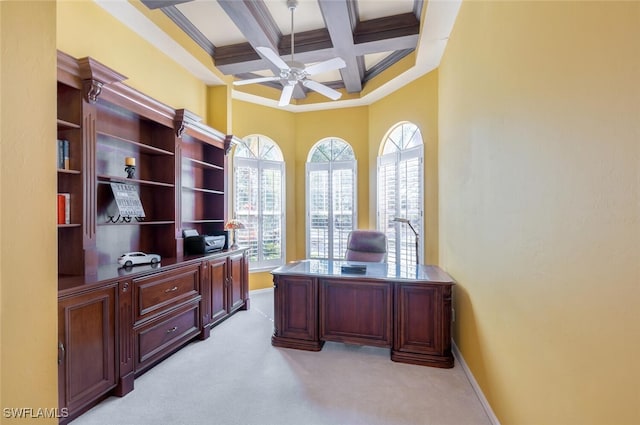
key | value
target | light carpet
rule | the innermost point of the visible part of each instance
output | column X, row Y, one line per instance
column 237, row 377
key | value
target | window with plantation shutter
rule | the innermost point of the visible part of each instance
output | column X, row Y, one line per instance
column 400, row 193
column 259, row 200
column 331, row 198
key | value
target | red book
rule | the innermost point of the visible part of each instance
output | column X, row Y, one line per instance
column 61, row 208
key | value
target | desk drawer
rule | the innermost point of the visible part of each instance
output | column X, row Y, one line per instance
column 160, row 337
column 155, row 294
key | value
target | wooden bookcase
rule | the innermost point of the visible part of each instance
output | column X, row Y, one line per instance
column 144, row 313
column 121, row 134
column 202, row 174
column 71, row 179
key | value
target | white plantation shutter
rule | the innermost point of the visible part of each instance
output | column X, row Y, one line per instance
column 400, row 193
column 259, row 201
column 318, row 211
column 331, row 198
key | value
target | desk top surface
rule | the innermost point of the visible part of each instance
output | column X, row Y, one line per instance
column 377, row 271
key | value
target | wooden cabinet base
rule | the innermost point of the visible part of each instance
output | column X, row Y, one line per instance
column 116, row 330
column 298, row 344
column 125, row 386
column 445, row 361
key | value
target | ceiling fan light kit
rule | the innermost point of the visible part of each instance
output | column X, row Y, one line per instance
column 293, row 72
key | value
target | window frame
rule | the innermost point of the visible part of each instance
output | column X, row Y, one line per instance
column 260, row 165
column 329, row 166
column 399, row 231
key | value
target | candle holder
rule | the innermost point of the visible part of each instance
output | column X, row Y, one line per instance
column 130, row 167
column 130, row 170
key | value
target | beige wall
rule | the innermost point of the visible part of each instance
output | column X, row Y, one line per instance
column 540, row 206
column 28, row 276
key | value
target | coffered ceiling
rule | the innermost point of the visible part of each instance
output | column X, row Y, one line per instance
column 384, row 43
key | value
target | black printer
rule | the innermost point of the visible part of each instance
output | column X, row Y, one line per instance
column 195, row 243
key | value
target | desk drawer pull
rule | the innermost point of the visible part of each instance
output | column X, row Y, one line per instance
column 173, row 329
column 174, row 289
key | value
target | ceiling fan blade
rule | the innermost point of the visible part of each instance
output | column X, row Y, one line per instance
column 255, row 80
column 322, row 89
column 328, row 65
column 285, row 97
column 273, row 57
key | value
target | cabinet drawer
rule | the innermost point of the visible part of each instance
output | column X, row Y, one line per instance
column 154, row 294
column 160, row 337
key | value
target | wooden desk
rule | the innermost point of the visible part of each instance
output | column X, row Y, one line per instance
column 410, row 312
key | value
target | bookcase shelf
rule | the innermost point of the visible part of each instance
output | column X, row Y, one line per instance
column 203, row 221
column 209, row 191
column 133, row 222
column 141, row 146
column 66, row 125
column 63, row 171
column 202, row 164
column 114, row 179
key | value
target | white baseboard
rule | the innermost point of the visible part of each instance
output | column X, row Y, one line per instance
column 257, row 291
column 474, row 384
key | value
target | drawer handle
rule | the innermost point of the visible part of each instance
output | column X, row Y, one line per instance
column 174, row 289
column 61, row 348
column 173, row 329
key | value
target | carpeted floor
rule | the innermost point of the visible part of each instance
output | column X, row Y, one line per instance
column 237, row 377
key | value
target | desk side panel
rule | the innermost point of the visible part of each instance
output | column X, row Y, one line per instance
column 296, row 313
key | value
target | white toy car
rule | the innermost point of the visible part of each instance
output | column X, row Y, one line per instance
column 129, row 259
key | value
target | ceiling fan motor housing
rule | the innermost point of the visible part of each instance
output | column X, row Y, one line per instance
column 294, row 72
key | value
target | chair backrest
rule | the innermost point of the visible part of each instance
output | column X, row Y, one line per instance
column 367, row 245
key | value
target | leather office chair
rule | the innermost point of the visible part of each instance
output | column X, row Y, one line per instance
column 367, row 245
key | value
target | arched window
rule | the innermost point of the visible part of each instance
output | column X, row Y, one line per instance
column 400, row 192
column 258, row 169
column 331, row 198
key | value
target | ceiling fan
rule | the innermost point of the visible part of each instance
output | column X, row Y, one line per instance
column 293, row 72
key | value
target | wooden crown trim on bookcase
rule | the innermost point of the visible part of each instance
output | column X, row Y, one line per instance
column 229, row 142
column 187, row 121
column 94, row 76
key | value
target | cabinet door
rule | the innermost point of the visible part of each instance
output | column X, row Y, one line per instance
column 218, row 300
column 296, row 313
column 87, row 362
column 237, row 278
column 422, row 325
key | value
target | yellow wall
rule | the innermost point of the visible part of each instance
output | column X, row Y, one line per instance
column 279, row 126
column 86, row 29
column 364, row 128
column 538, row 168
column 28, row 276
column 416, row 102
column 349, row 124
column 540, row 206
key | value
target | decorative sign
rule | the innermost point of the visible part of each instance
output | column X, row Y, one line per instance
column 127, row 199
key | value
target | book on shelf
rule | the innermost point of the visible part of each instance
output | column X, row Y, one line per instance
column 63, row 154
column 64, row 208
